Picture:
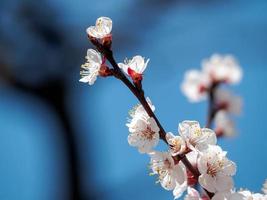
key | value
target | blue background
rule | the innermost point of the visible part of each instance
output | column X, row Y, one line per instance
column 176, row 35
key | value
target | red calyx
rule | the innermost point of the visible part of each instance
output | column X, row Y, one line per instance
column 136, row 77
column 105, row 71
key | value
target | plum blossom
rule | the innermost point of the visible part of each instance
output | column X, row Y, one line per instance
column 90, row 70
column 225, row 100
column 196, row 138
column 223, row 68
column 102, row 28
column 171, row 176
column 264, row 187
column 216, row 170
column 195, row 85
column 134, row 67
column 224, row 125
column 176, row 143
column 144, row 131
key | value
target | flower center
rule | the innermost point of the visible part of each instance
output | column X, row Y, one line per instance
column 214, row 168
column 148, row 133
column 176, row 145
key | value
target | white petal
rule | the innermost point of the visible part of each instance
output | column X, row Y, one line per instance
column 224, row 183
column 102, row 28
column 229, row 168
column 123, row 67
column 94, row 56
column 207, row 182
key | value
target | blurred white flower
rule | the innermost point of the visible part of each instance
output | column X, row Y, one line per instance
column 144, row 131
column 264, row 187
column 90, row 70
column 223, row 68
column 176, row 143
column 225, row 100
column 224, row 125
column 226, row 195
column 102, row 28
column 252, row 196
column 171, row 176
column 216, row 170
column 195, row 85
column 196, row 138
column 134, row 67
column 192, row 194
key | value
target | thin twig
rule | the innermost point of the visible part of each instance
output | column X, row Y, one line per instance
column 212, row 110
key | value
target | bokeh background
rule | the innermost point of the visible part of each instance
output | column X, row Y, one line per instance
column 60, row 138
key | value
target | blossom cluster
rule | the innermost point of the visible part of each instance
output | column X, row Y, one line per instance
column 198, row 146
column 200, row 84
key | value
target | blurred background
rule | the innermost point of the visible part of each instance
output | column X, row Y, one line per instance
column 61, row 139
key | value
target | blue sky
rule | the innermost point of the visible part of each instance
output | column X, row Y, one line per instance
column 176, row 36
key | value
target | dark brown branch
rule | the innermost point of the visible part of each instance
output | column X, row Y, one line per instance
column 212, row 110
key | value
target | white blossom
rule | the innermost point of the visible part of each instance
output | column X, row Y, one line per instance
column 144, row 131
column 252, row 196
column 264, row 187
column 195, row 85
column 196, row 138
column 90, row 70
column 102, row 28
column 224, row 125
column 224, row 99
column 145, row 135
column 192, row 194
column 223, row 68
column 176, row 143
column 216, row 170
column 170, row 175
column 228, row 195
column 134, row 66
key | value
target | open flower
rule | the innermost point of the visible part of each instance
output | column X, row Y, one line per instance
column 225, row 100
column 144, row 131
column 102, row 28
column 224, row 126
column 134, row 67
column 216, row 170
column 90, row 70
column 176, row 143
column 196, row 138
column 171, row 176
column 222, row 68
column 195, row 85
